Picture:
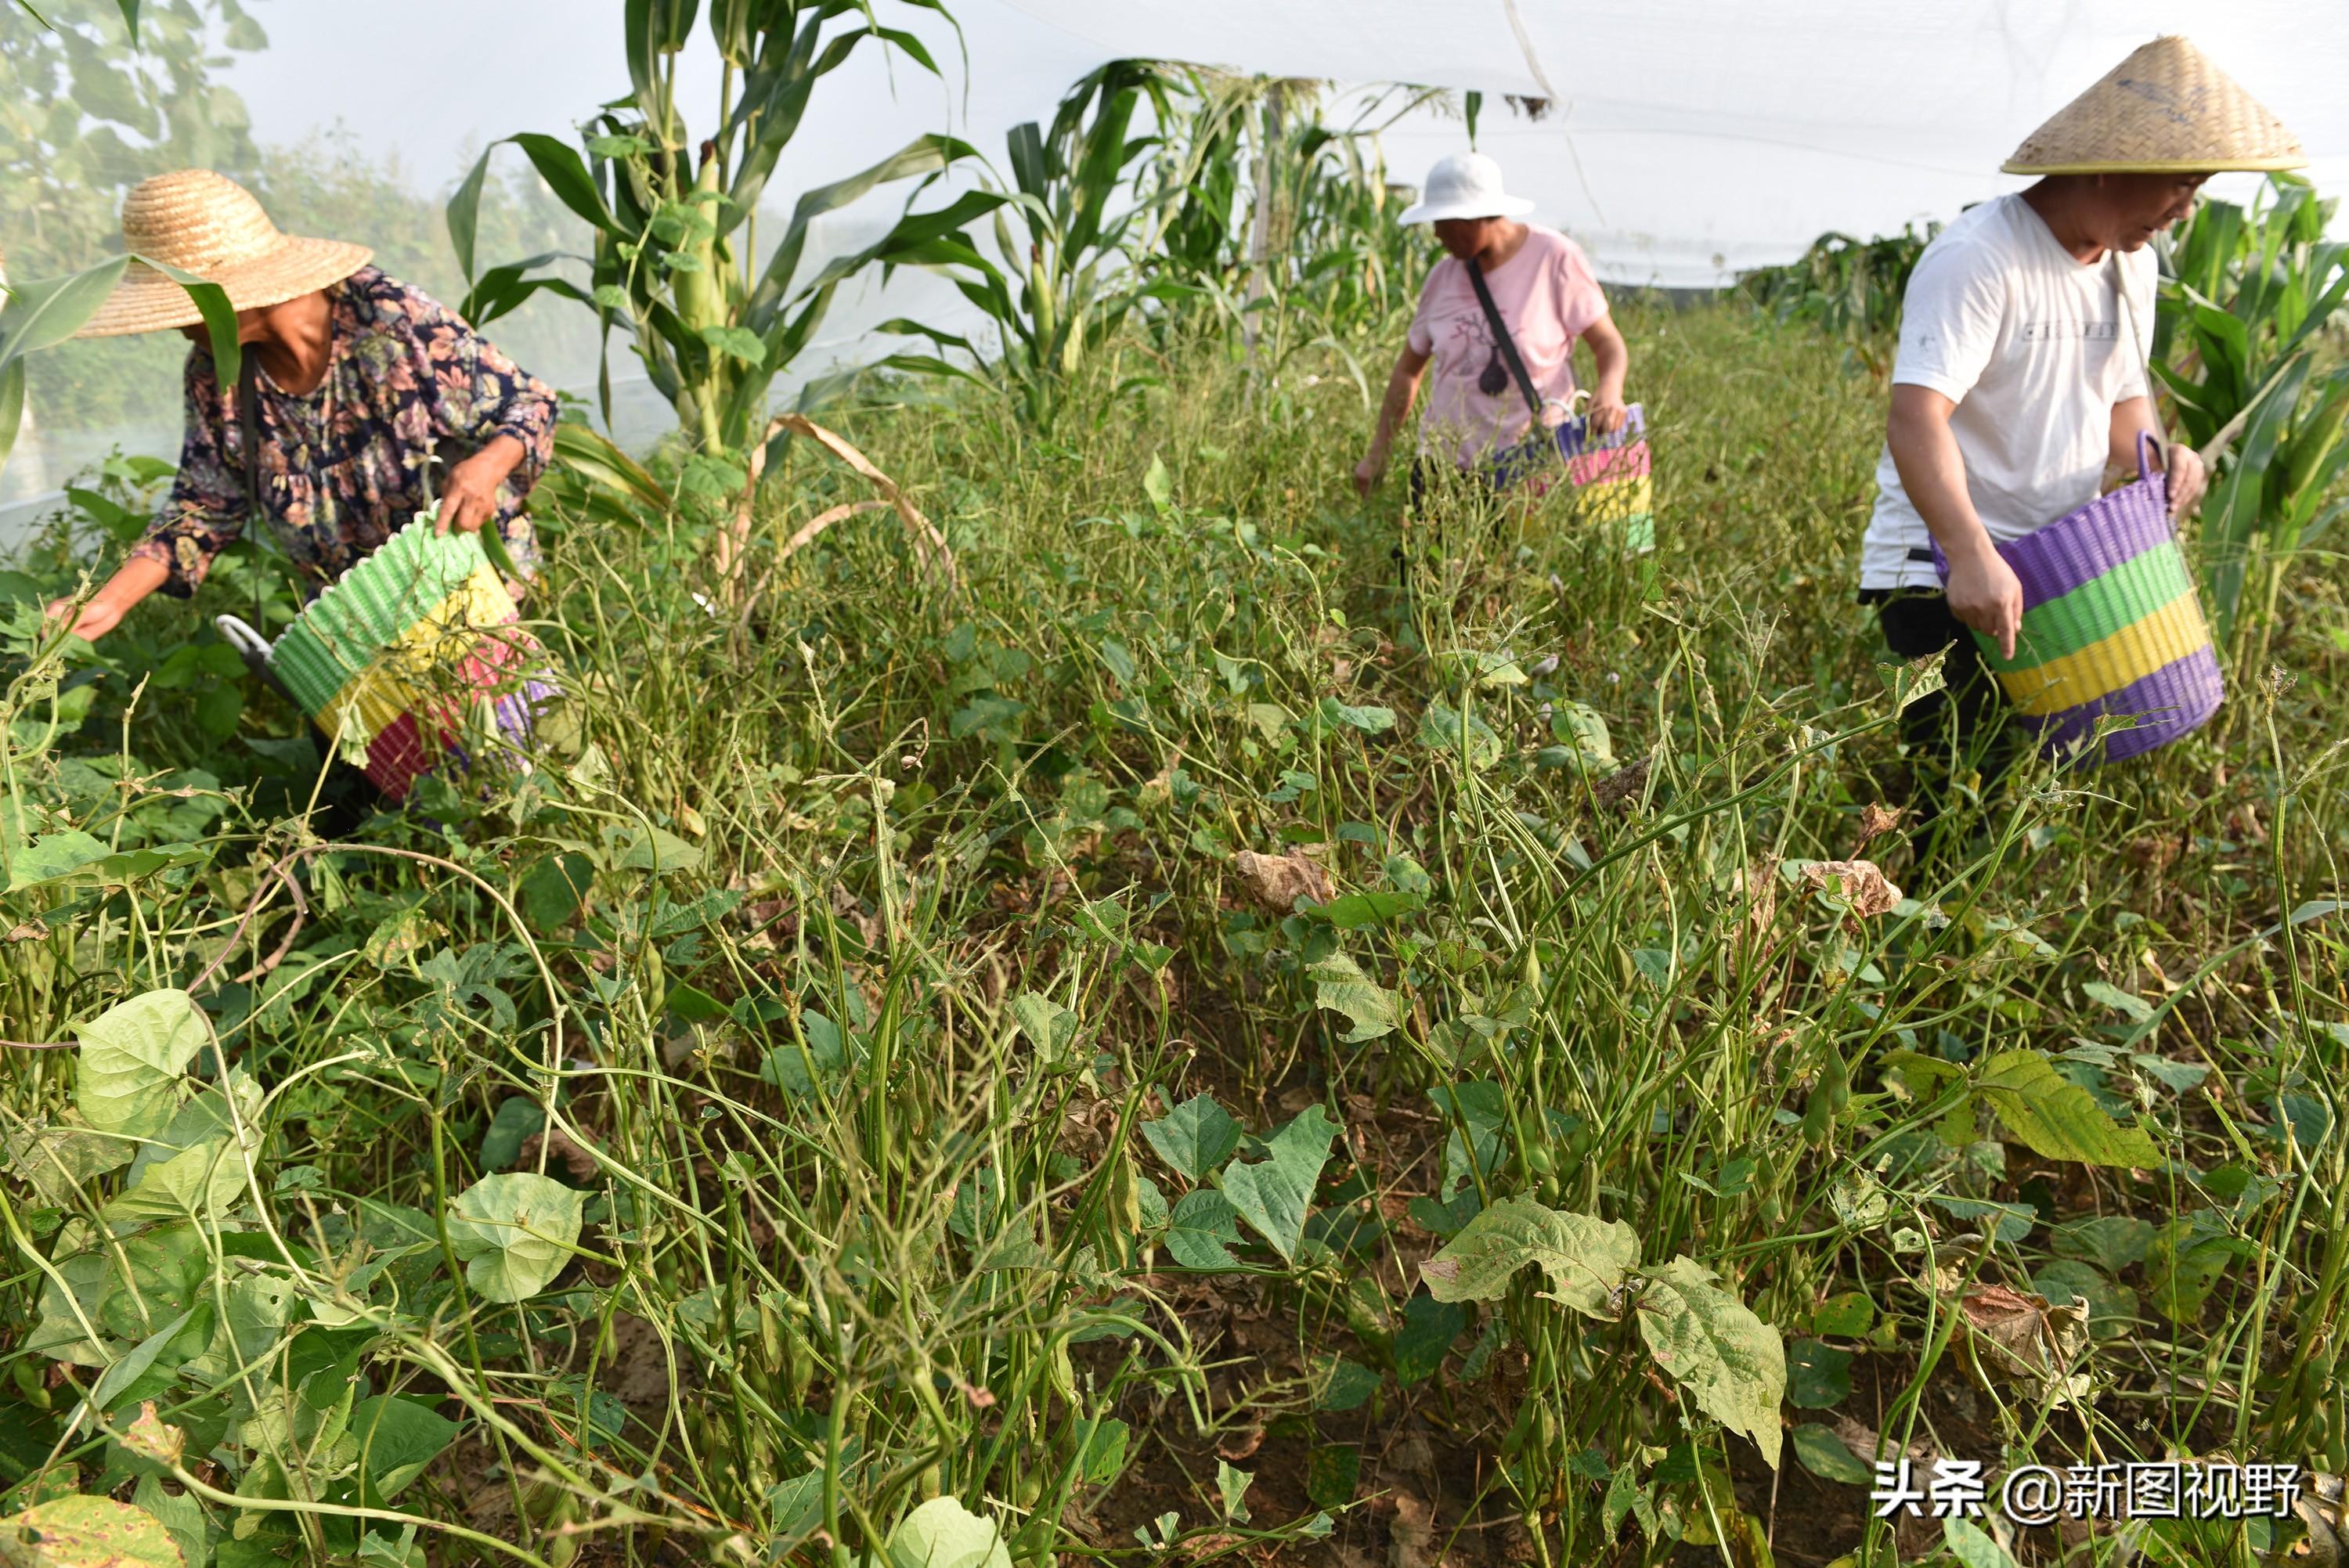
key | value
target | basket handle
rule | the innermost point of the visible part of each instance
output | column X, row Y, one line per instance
column 242, row 637
column 2148, row 457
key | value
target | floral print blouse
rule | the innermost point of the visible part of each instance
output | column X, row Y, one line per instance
column 343, row 465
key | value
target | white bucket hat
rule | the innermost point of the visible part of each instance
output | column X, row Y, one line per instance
column 1464, row 185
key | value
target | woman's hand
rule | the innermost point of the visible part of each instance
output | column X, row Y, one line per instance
column 1402, row 385
column 2187, row 478
column 97, row 617
column 132, row 580
column 1608, row 414
column 469, row 498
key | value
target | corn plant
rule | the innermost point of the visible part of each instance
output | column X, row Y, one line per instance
column 674, row 219
column 1849, row 289
column 1059, row 282
column 1251, row 194
column 1199, row 173
column 1336, row 256
column 2245, row 307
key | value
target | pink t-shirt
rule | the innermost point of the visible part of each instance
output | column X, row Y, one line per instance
column 1547, row 295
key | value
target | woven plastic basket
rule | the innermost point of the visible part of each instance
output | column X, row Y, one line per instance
column 405, row 647
column 2110, row 624
column 1611, row 474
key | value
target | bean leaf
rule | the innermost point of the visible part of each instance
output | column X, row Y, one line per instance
column 2056, row 1119
column 1828, row 1456
column 514, row 1233
column 1340, row 986
column 1368, row 720
column 943, row 1533
column 398, row 1437
column 131, row 1059
column 86, row 1533
column 1712, row 1345
column 1203, row 1230
column 1586, row 1259
column 1274, row 1194
column 1193, row 1138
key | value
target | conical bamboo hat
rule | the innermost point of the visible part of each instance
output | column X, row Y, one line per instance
column 207, row 224
column 2166, row 109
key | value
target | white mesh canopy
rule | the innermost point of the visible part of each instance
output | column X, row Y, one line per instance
column 1688, row 138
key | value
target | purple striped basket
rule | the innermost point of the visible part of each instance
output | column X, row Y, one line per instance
column 2110, row 624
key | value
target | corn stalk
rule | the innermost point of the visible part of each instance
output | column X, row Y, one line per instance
column 674, row 219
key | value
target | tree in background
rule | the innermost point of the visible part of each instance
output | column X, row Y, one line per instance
column 83, row 117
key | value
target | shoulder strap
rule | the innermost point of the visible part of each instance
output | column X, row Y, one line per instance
column 2135, row 347
column 1508, row 344
column 248, row 411
column 2157, row 461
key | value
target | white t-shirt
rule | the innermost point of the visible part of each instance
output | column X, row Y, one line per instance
column 2028, row 343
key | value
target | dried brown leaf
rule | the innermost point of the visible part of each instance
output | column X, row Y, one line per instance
column 1411, row 1534
column 151, row 1436
column 1861, row 884
column 2020, row 1336
column 1277, row 881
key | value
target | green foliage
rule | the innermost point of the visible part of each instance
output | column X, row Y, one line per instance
column 1849, row 289
column 1194, row 1137
column 1273, row 1194
column 132, row 1054
column 514, row 1233
column 1700, row 1334
column 82, row 120
column 1585, row 1259
column 2242, row 350
column 943, row 1533
column 1707, row 1339
column 85, row 1533
column 2058, row 1118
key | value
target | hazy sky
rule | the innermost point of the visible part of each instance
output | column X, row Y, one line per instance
column 467, row 72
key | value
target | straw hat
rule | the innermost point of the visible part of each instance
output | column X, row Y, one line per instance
column 1464, row 185
column 207, row 224
column 2166, row 109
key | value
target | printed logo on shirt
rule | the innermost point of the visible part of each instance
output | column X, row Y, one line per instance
column 1473, row 340
column 2066, row 330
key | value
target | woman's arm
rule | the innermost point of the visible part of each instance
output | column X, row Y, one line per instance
column 2187, row 476
column 1613, row 357
column 1983, row 591
column 484, row 399
column 1402, row 387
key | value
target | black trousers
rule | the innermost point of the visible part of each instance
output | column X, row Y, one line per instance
column 1961, row 728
